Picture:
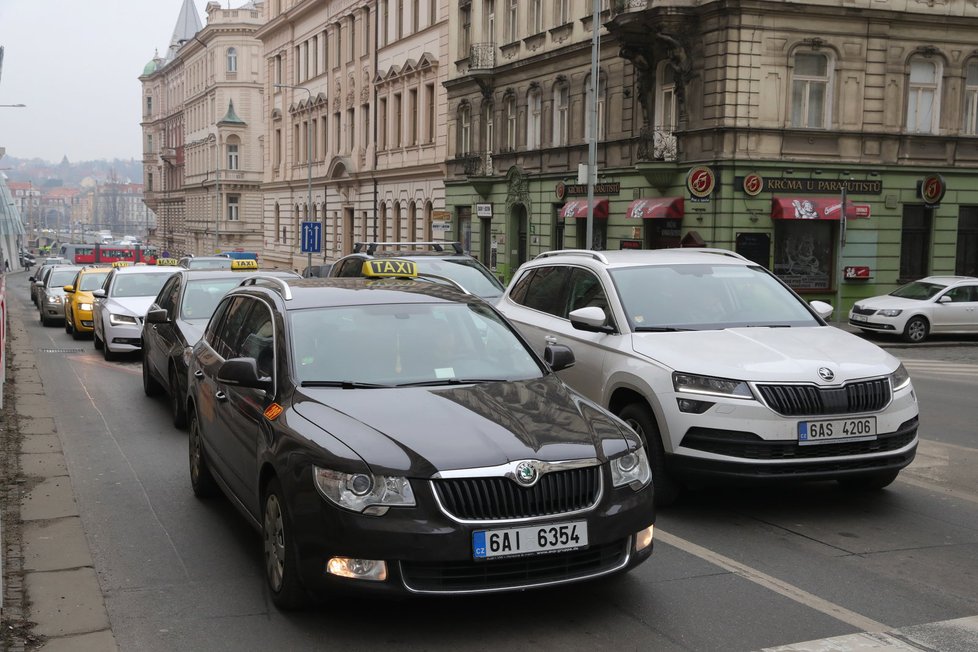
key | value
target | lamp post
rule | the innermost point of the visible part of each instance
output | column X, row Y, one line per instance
column 308, row 160
column 217, row 188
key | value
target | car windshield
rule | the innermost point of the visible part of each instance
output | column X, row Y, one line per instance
column 61, row 277
column 138, row 285
column 470, row 274
column 407, row 344
column 201, row 297
column 92, row 281
column 706, row 297
column 918, row 290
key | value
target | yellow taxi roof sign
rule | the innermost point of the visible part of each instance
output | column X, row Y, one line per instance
column 122, row 263
column 244, row 263
column 167, row 261
column 389, row 267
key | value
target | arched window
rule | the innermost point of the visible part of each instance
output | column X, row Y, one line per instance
column 464, row 130
column 534, row 118
column 811, row 82
column 561, row 113
column 924, row 95
column 510, row 122
column 232, row 56
column 971, row 99
column 599, row 109
column 488, row 127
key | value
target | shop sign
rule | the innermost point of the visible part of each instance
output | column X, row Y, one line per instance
column 563, row 190
column 932, row 189
column 483, row 210
column 700, row 182
column 856, row 272
column 630, row 244
column 784, row 185
column 753, row 185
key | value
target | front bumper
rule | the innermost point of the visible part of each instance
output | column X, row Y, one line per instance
column 882, row 327
column 427, row 552
column 52, row 310
column 123, row 337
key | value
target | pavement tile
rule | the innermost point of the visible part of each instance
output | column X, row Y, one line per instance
column 95, row 642
column 63, row 602
column 44, row 465
column 58, row 544
column 28, row 404
column 29, row 425
column 49, row 443
column 52, row 498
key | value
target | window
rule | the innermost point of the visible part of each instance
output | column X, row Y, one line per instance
column 278, row 69
column 464, row 130
column 149, row 105
column 232, row 156
column 543, row 289
column 809, row 90
column 336, row 132
column 465, row 20
column 149, row 181
column 233, row 207
column 398, row 121
column 279, row 231
column 432, row 11
column 534, row 118
column 513, row 23
column 350, row 129
column 149, row 143
column 412, row 117
column 970, row 100
column 384, row 19
column 488, row 133
column 382, row 124
column 278, row 147
column 536, row 16
column 232, row 57
column 665, row 104
column 312, row 139
column 400, row 19
column 561, row 11
column 561, row 106
column 966, row 262
column 430, row 113
column 598, row 108
column 915, row 242
column 511, row 123
column 923, row 103
column 314, row 57
column 803, row 253
column 365, row 124
column 490, row 20
column 324, row 127
column 599, row 234
column 415, row 14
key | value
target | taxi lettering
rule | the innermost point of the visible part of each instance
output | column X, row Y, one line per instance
column 390, row 268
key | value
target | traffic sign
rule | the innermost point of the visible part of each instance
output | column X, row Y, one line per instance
column 312, row 237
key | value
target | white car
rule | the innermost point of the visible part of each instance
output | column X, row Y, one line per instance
column 724, row 370
column 936, row 304
column 121, row 304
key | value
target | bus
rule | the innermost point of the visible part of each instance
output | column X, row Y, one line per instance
column 89, row 254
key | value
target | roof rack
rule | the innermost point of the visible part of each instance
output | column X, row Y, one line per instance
column 275, row 280
column 371, row 247
column 445, row 279
column 719, row 252
column 574, row 252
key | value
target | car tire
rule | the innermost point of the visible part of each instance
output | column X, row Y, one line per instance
column 68, row 328
column 916, row 330
column 107, row 353
column 869, row 481
column 75, row 335
column 177, row 407
column 97, row 341
column 151, row 386
column 44, row 319
column 281, row 564
column 639, row 417
column 201, row 480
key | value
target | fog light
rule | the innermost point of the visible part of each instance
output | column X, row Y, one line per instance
column 690, row 406
column 358, row 569
column 644, row 538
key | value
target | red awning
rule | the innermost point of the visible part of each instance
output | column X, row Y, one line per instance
column 647, row 208
column 578, row 208
column 811, row 208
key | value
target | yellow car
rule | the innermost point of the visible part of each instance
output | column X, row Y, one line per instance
column 78, row 300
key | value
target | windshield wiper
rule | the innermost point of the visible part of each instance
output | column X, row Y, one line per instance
column 343, row 384
column 660, row 329
column 451, row 381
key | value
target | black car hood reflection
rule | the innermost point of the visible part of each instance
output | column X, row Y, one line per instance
column 423, row 430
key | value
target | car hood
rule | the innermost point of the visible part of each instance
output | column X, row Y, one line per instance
column 420, row 431
column 192, row 329
column 768, row 354
column 134, row 305
column 887, row 301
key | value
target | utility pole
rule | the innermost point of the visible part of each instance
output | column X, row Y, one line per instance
column 592, row 137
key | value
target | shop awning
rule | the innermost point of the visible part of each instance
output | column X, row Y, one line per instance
column 815, row 208
column 650, row 208
column 578, row 208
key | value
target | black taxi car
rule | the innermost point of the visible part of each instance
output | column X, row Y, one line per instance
column 398, row 435
column 176, row 320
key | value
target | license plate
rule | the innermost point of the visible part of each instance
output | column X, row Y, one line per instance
column 529, row 540
column 859, row 318
column 824, row 432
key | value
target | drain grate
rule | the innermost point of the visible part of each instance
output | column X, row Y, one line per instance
column 62, row 350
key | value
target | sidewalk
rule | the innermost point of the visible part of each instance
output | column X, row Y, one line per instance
column 52, row 600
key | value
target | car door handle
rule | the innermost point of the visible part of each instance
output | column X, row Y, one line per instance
column 198, row 374
column 221, row 396
column 550, row 339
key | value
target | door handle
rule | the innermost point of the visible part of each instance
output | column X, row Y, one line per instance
column 550, row 339
column 221, row 396
column 198, row 374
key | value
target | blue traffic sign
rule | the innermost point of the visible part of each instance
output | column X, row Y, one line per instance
column 312, row 237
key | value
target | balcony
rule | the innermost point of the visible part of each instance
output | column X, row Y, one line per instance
column 628, row 6
column 657, row 144
column 169, row 154
column 482, row 57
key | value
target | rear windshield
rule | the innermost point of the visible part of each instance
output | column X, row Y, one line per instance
column 138, row 285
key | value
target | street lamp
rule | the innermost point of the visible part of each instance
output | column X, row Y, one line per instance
column 308, row 160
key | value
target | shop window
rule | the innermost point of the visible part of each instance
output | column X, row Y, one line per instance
column 809, row 90
column 966, row 262
column 465, row 227
column 803, row 253
column 924, row 91
column 599, row 233
column 915, row 242
column 662, row 234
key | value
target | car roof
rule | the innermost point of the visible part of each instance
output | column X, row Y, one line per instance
column 316, row 292
column 145, row 269
column 194, row 274
column 637, row 257
column 947, row 280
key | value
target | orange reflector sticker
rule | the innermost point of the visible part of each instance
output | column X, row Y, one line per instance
column 272, row 411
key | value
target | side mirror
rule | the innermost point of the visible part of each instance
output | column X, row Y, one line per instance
column 824, row 310
column 69, row 289
column 944, row 299
column 157, row 316
column 243, row 372
column 99, row 293
column 590, row 319
column 558, row 356
column 30, row 278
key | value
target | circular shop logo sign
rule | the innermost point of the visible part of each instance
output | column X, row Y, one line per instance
column 932, row 189
column 560, row 190
column 700, row 182
column 753, row 185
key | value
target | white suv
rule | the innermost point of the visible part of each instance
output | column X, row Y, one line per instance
column 722, row 368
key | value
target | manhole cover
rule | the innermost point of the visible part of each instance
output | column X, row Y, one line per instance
column 62, row 350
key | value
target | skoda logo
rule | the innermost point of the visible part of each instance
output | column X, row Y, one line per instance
column 526, row 474
column 825, row 374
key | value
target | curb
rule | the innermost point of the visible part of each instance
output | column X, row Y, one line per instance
column 52, row 598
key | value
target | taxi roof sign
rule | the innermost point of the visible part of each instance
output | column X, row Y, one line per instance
column 167, row 261
column 244, row 263
column 122, row 263
column 389, row 267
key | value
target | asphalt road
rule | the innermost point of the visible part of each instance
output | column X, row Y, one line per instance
column 733, row 569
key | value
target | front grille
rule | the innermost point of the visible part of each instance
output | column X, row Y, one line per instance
column 797, row 400
column 863, row 311
column 497, row 574
column 486, row 499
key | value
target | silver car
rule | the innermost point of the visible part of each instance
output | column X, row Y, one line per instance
column 121, row 304
column 51, row 293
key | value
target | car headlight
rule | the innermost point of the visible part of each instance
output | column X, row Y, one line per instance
column 120, row 320
column 363, row 492
column 54, row 299
column 899, row 378
column 84, row 306
column 632, row 469
column 710, row 385
column 889, row 312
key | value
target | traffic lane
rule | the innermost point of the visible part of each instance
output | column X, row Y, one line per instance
column 946, row 395
column 901, row 556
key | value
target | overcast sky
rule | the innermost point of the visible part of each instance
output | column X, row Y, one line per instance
column 76, row 64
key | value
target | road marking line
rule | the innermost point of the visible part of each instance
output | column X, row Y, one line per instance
column 936, row 488
column 780, row 587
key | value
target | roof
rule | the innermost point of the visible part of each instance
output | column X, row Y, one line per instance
column 188, row 24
